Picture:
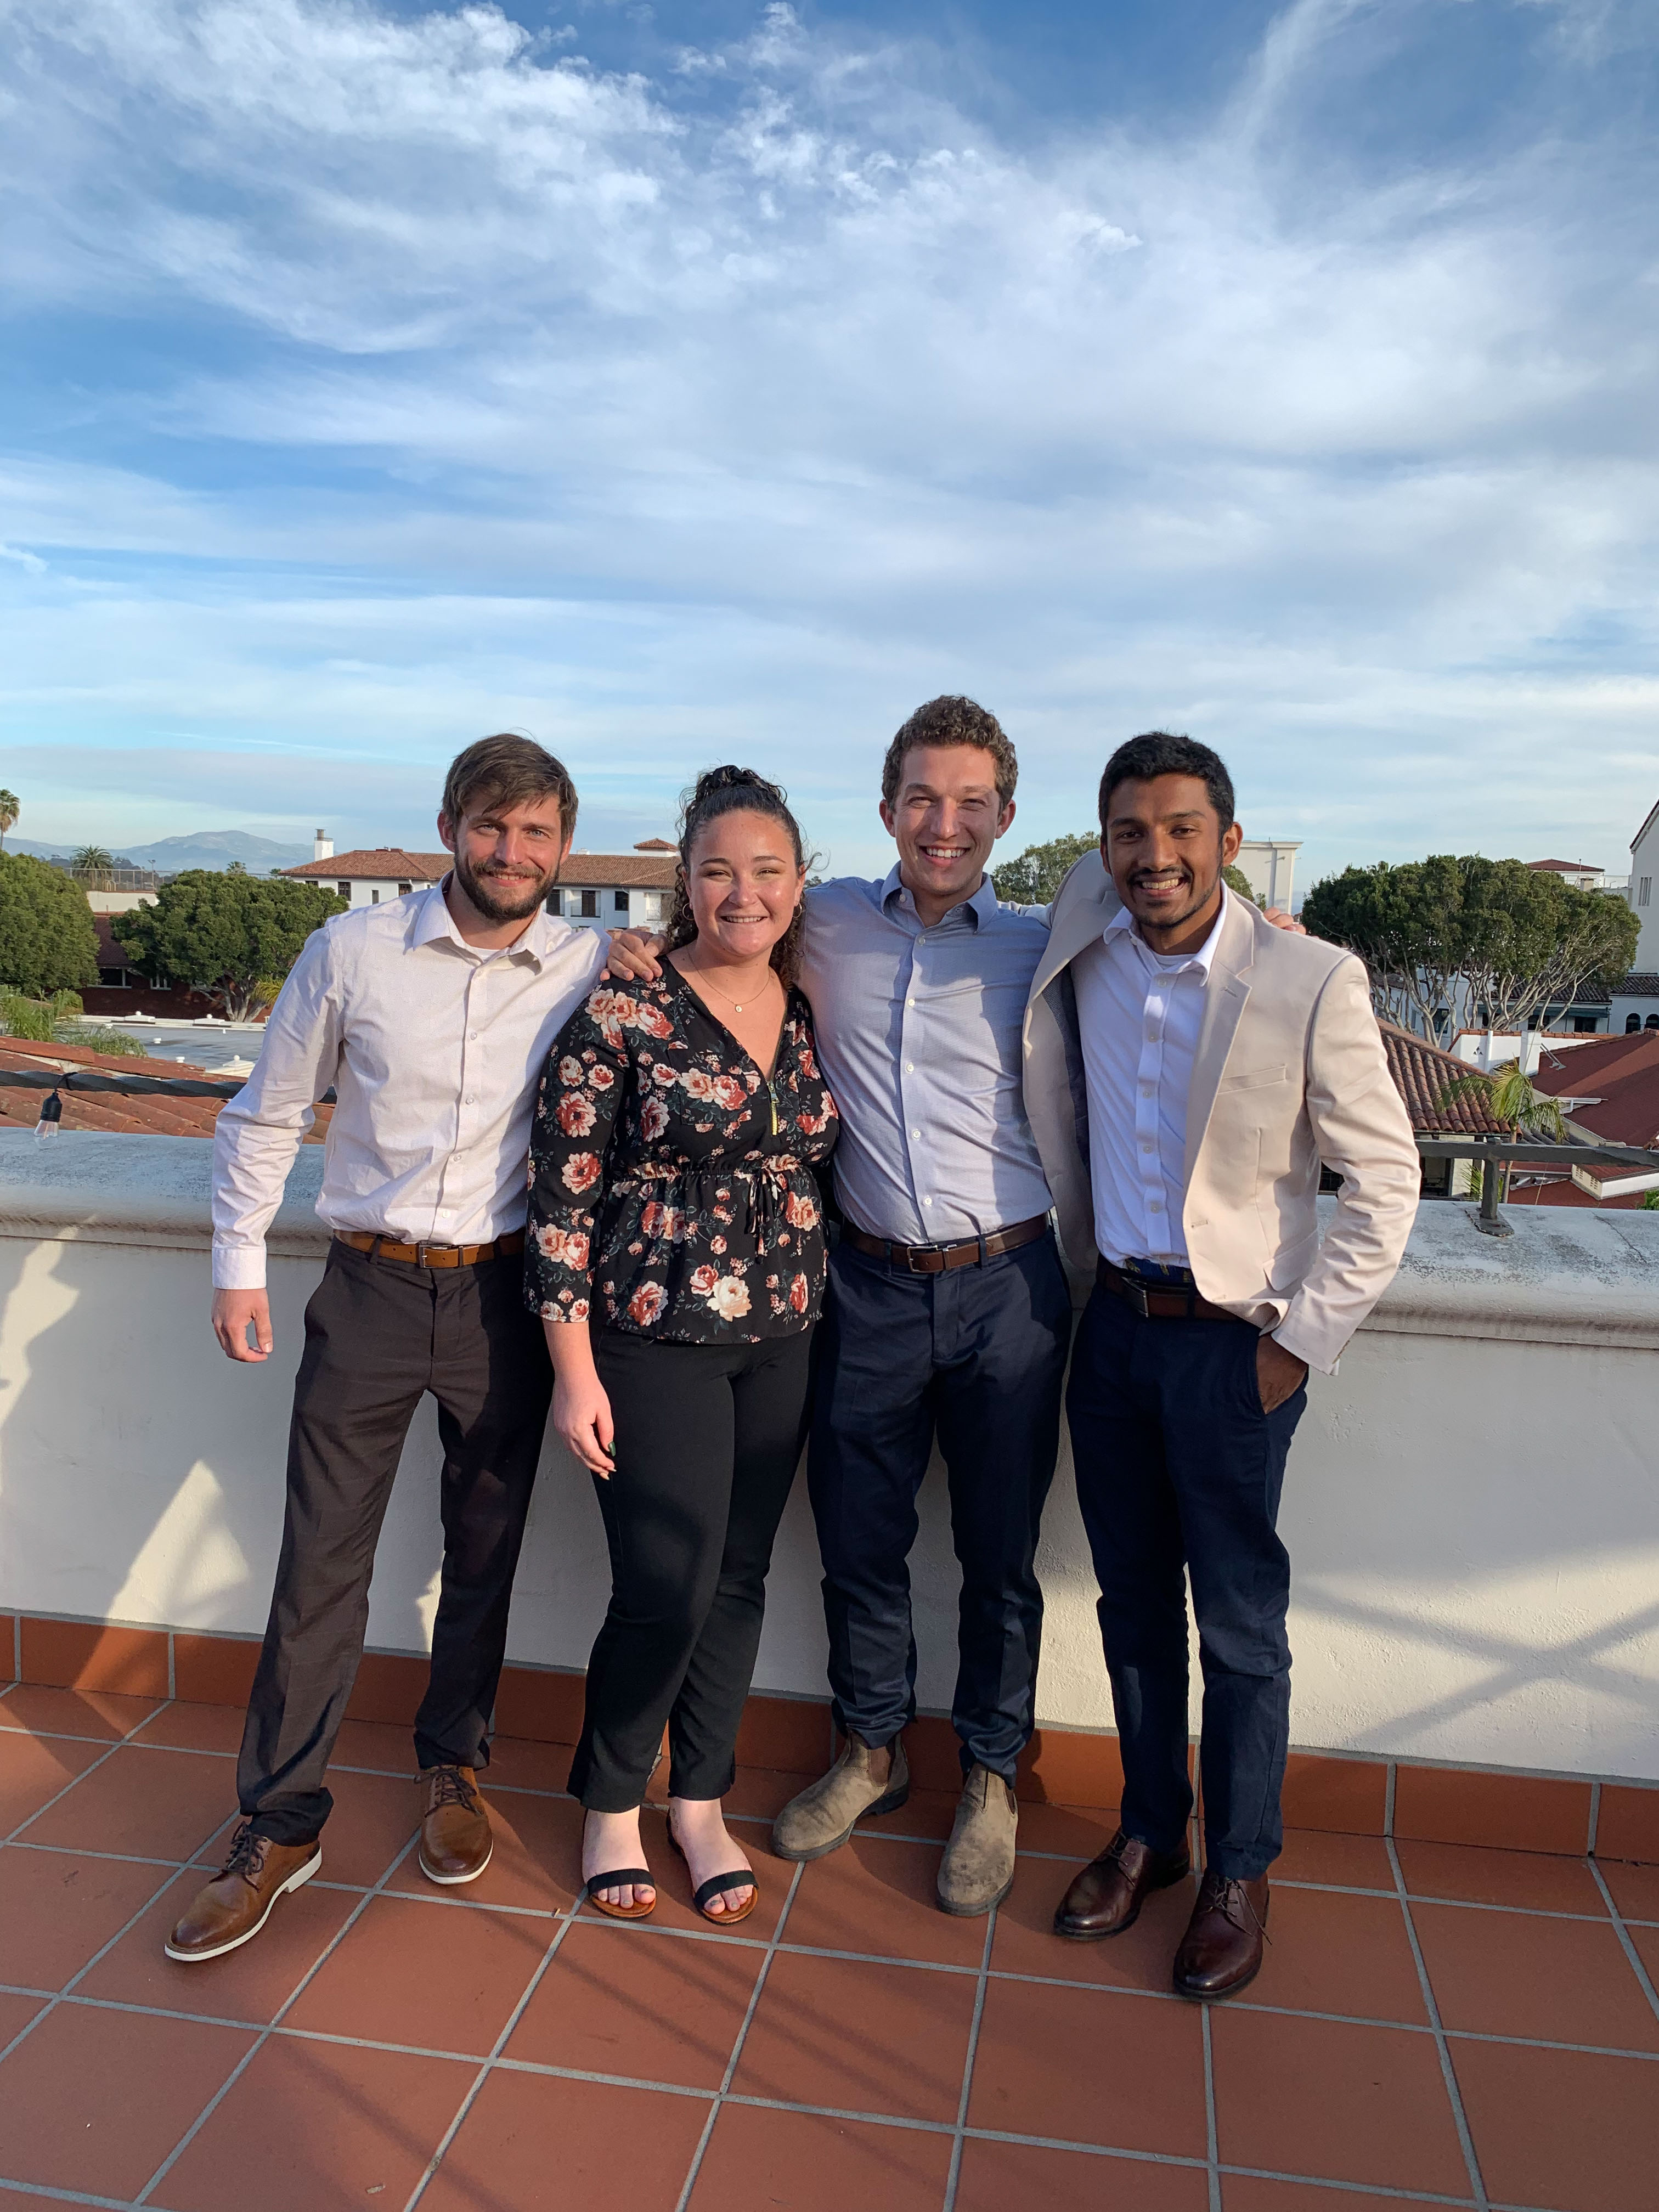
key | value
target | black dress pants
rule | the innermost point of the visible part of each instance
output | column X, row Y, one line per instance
column 706, row 1441
column 379, row 1334
column 1179, row 1472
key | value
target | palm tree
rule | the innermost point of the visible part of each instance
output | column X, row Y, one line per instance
column 92, row 864
column 11, row 807
column 1508, row 1098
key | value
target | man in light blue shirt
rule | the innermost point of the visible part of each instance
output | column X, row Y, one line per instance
column 947, row 1312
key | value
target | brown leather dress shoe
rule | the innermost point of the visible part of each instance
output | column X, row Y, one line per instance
column 237, row 1903
column 1108, row 1895
column 455, row 1839
column 1221, row 1950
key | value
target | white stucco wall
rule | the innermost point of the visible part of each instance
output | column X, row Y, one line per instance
column 1472, row 1506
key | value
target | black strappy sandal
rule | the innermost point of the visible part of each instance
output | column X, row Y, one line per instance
column 621, row 1878
column 718, row 1885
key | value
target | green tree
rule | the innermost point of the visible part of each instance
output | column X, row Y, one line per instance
column 1237, row 882
column 229, row 935
column 11, row 807
column 1032, row 877
column 47, row 942
column 93, row 864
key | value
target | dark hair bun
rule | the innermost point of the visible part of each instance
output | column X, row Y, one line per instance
column 731, row 778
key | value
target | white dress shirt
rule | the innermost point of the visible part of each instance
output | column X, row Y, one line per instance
column 434, row 1049
column 917, row 1028
column 1139, row 1015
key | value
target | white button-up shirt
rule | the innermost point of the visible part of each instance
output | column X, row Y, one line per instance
column 434, row 1049
column 1139, row 1013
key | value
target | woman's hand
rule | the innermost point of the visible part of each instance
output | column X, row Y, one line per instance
column 632, row 957
column 581, row 1411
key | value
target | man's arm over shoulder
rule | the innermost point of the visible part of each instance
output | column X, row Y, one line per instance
column 259, row 1130
column 1364, row 1134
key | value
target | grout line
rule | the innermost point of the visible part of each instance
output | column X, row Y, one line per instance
column 173, row 1671
column 1594, row 1819
column 263, row 2035
column 1354, row 2188
column 66, row 2195
column 954, row 2176
column 17, row 1647
column 1430, row 2004
column 1210, row 2149
column 723, row 2092
column 485, row 2069
column 1387, row 1799
column 1623, row 1933
column 91, row 1768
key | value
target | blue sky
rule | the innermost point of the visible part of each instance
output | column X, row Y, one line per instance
column 710, row 380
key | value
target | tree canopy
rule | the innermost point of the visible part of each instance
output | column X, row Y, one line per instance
column 234, row 937
column 47, row 942
column 1032, row 877
column 1492, row 942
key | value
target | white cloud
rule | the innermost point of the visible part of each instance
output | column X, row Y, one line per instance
column 820, row 396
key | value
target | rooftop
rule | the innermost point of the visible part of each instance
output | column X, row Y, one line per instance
column 1423, row 1075
column 650, row 866
column 135, row 1113
column 1429, row 2012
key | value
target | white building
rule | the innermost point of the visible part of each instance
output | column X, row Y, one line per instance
column 1268, row 865
column 605, row 890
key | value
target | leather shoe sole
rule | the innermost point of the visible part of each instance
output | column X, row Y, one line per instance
column 1122, row 1927
column 297, row 1880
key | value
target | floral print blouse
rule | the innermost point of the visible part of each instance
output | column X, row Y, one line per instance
column 671, row 1191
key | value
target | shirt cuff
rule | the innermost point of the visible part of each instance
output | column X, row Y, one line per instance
column 1314, row 1356
column 238, row 1267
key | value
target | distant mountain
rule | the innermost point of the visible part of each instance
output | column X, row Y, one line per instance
column 206, row 848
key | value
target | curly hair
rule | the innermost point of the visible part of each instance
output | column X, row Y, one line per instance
column 952, row 720
column 734, row 791
column 1164, row 752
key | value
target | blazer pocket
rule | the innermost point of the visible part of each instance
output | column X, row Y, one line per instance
column 1253, row 1079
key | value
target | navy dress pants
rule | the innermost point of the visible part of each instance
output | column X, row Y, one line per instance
column 978, row 1357
column 1178, row 1475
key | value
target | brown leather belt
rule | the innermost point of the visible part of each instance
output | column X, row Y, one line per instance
column 430, row 1255
column 940, row 1259
column 1158, row 1302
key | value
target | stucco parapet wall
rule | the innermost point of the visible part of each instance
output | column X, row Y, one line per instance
column 1568, row 1275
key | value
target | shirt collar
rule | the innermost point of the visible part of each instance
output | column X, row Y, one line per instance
column 1122, row 924
column 434, row 924
column 979, row 908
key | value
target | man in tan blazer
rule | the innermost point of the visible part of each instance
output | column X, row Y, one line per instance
column 1188, row 1067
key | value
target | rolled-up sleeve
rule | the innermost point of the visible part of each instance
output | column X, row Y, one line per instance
column 259, row 1129
column 581, row 1093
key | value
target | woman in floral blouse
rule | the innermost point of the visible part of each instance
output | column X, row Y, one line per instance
column 676, row 1255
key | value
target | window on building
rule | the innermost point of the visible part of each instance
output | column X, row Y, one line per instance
column 1651, row 1023
column 1632, row 1023
column 620, row 901
column 344, row 889
column 1644, row 890
column 374, row 898
column 1583, row 1025
column 404, row 890
column 556, row 901
column 591, row 906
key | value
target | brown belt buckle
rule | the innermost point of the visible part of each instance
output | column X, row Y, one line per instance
column 1135, row 1295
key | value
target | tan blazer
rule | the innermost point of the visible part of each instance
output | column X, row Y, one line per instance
column 1290, row 1072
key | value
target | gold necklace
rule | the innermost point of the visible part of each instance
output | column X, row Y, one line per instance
column 737, row 1005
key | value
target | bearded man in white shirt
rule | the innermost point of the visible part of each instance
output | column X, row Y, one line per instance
column 430, row 1017
column 1188, row 1068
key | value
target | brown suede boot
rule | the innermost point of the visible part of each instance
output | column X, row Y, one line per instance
column 861, row 1783
column 455, row 1837
column 236, row 1903
column 977, row 1870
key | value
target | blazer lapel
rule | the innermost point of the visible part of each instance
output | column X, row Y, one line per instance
column 1223, row 1003
column 1083, row 906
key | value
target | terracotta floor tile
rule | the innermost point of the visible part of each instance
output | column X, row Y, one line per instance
column 15, row 2013
column 860, row 2039
column 1533, row 1881
column 1345, row 1862
column 374, row 1816
column 1338, row 2102
column 1646, row 1941
column 103, row 1715
column 877, row 1896
column 154, row 1804
column 617, row 2000
column 537, row 1861
column 94, row 2100
column 674, row 1905
column 58, row 1908
column 762, row 1792
column 1244, row 2193
column 1141, row 1959
column 1635, row 1888
column 1552, row 2127
column 444, row 1977
column 760, row 2161
column 196, row 1727
column 515, row 1762
column 251, row 1984
column 1072, row 1832
column 376, row 1745
column 924, row 1813
column 1090, row 2066
column 1008, row 2177
column 532, row 2144
column 33, row 1771
column 1516, row 1973
column 1331, row 1953
column 319, row 2127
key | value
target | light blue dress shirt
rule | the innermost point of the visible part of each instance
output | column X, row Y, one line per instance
column 919, row 1034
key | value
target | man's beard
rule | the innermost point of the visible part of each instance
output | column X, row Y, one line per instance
column 495, row 899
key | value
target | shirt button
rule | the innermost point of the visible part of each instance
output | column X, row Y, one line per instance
column 1156, row 1204
column 1145, row 1148
column 927, row 1201
column 1146, row 1089
column 909, row 1067
column 915, row 1133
